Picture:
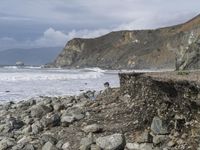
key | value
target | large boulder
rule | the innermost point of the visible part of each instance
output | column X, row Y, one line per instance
column 39, row 110
column 51, row 120
column 86, row 142
column 14, row 123
column 111, row 142
column 93, row 128
column 136, row 146
column 158, row 126
column 37, row 127
column 49, row 146
column 7, row 143
column 66, row 120
column 48, row 138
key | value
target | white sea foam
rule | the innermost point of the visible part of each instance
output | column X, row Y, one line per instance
column 47, row 76
column 32, row 67
column 10, row 67
column 24, row 83
column 95, row 69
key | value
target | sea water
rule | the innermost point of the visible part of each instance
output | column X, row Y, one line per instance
column 18, row 84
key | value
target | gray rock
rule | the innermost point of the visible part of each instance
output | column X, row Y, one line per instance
column 29, row 147
column 159, row 139
column 198, row 148
column 18, row 147
column 137, row 146
column 27, row 130
column 24, row 104
column 23, row 147
column 60, row 143
column 93, row 128
column 146, row 146
column 94, row 147
column 45, row 101
column 171, row 143
column 145, row 138
column 86, row 142
column 39, row 110
column 67, row 120
column 76, row 112
column 32, row 102
column 37, row 127
column 2, row 127
column 28, row 120
column 24, row 140
column 112, row 142
column 83, row 147
column 14, row 123
column 133, row 146
column 158, row 127
column 49, row 146
column 7, row 143
column 51, row 120
column 58, row 106
column 48, row 138
column 78, row 115
column 8, row 105
column 65, row 146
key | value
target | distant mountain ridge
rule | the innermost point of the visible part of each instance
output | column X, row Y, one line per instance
column 33, row 56
column 138, row 49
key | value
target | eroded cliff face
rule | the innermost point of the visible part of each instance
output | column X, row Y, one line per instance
column 139, row 49
column 69, row 53
column 190, row 57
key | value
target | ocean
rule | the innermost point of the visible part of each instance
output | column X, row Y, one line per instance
column 17, row 84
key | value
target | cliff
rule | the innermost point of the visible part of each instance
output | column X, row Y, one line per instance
column 138, row 49
column 191, row 57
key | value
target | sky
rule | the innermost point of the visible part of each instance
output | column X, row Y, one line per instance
column 51, row 23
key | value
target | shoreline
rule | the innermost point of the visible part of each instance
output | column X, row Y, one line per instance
column 148, row 111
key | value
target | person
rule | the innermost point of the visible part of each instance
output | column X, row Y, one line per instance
column 107, row 85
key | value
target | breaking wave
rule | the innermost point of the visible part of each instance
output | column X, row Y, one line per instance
column 47, row 76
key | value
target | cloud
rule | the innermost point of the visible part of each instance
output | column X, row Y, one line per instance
column 56, row 38
column 153, row 21
column 42, row 23
column 89, row 14
column 51, row 37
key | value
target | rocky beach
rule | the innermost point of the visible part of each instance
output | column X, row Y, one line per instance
column 99, row 75
column 150, row 111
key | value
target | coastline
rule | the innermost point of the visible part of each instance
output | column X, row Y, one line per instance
column 22, row 84
column 143, row 113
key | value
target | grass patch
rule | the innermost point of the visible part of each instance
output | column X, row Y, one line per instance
column 183, row 72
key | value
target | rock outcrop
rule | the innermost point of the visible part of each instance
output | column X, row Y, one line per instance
column 139, row 49
column 190, row 58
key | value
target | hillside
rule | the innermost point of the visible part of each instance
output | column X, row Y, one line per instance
column 138, row 49
column 34, row 56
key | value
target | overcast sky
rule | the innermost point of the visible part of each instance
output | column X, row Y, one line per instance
column 44, row 23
